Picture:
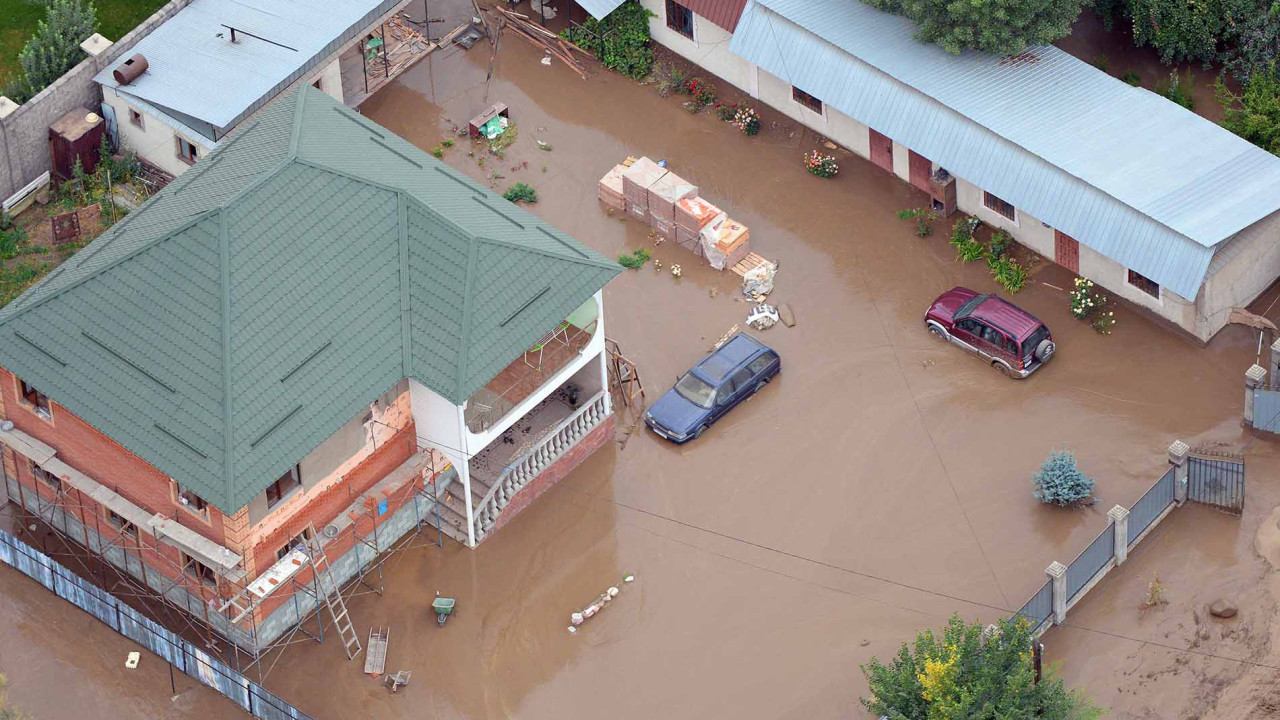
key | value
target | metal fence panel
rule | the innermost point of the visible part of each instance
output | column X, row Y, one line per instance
column 86, row 596
column 1040, row 606
column 28, row 561
column 267, row 706
column 1266, row 409
column 1149, row 506
column 1083, row 568
column 1216, row 481
column 217, row 675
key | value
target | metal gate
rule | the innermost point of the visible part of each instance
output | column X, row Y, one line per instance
column 1216, row 479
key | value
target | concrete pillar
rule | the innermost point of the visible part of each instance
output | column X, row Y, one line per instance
column 1253, row 378
column 1057, row 573
column 1178, row 454
column 1274, row 365
column 1120, row 524
column 464, row 474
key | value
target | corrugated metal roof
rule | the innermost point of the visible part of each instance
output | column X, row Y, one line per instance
column 599, row 8
column 257, row 303
column 1019, row 98
column 724, row 13
column 195, row 69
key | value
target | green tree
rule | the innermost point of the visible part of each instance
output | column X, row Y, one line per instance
column 1255, row 115
column 961, row 675
column 1003, row 27
column 1060, row 482
column 1183, row 30
column 7, row 711
column 620, row 41
column 55, row 46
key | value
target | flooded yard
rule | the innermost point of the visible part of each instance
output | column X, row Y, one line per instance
column 880, row 484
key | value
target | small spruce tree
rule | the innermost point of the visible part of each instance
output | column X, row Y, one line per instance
column 1060, row 482
column 55, row 46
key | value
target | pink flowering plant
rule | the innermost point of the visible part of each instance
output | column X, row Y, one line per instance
column 823, row 166
column 747, row 120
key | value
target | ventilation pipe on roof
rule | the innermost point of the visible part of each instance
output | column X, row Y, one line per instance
column 131, row 69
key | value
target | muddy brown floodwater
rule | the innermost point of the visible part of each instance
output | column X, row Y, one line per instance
column 879, row 485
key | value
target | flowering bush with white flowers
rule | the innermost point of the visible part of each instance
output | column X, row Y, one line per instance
column 747, row 120
column 1091, row 306
column 821, row 165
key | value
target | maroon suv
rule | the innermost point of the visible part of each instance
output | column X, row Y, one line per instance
column 1013, row 340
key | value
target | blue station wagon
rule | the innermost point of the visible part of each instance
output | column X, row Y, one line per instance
column 712, row 388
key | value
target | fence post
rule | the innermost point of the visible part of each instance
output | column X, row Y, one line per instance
column 1120, row 524
column 1253, row 377
column 1057, row 573
column 1178, row 453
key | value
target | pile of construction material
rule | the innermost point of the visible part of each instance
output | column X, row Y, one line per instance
column 647, row 191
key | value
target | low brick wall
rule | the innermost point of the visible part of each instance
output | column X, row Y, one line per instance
column 594, row 440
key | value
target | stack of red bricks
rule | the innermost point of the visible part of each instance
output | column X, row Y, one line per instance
column 670, row 205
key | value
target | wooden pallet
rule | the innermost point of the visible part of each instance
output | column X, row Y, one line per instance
column 750, row 262
column 375, row 658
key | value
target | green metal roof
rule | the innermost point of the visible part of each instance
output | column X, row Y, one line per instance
column 257, row 303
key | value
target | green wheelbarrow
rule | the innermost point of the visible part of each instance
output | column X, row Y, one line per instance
column 443, row 607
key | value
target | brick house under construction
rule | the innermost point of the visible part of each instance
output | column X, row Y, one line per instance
column 317, row 327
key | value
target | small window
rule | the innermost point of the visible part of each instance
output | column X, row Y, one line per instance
column 284, row 487
column 761, row 363
column 198, row 570
column 992, row 336
column 806, row 99
column 119, row 523
column 740, row 380
column 680, row 18
column 316, row 84
column 298, row 541
column 46, row 477
column 970, row 326
column 1006, row 210
column 191, row 501
column 135, row 119
column 1145, row 284
column 187, row 151
column 35, row 400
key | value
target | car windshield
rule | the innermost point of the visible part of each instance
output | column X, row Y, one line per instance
column 966, row 309
column 1029, row 345
column 695, row 390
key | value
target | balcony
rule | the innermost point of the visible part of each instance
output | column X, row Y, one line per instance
column 524, row 376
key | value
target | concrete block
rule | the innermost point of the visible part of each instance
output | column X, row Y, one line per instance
column 1120, row 525
column 95, row 45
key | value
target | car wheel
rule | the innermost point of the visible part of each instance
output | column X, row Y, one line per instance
column 698, row 433
column 1002, row 369
column 937, row 331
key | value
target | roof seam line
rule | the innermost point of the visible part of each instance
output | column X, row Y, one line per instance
column 406, row 301
column 473, row 257
column 224, row 287
column 297, row 125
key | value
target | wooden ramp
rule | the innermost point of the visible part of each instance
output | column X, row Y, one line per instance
column 375, row 656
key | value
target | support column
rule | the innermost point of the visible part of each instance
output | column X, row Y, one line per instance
column 464, row 474
column 1253, row 378
column 1178, row 454
column 1120, row 524
column 1057, row 573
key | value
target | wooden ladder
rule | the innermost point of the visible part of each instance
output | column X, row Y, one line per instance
column 329, row 591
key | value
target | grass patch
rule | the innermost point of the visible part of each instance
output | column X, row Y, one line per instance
column 16, row 278
column 18, row 20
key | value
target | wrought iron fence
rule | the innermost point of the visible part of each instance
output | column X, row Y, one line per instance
column 1040, row 606
column 1149, row 506
column 1084, row 567
column 1216, row 481
column 118, row 616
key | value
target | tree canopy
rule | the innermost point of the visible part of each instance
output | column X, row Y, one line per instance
column 961, row 675
column 1003, row 27
column 55, row 46
column 1255, row 114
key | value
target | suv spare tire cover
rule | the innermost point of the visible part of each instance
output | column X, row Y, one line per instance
column 1044, row 350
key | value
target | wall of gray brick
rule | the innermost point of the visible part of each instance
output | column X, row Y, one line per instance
column 24, row 135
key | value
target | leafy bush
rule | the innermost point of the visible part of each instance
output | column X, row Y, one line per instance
column 823, row 166
column 1060, row 482
column 1187, row 31
column 748, row 121
column 967, row 248
column 703, row 92
column 1101, row 62
column 1011, row 276
column 635, row 260
column 669, row 79
column 620, row 41
column 1000, row 242
column 1132, row 78
column 924, row 217
column 962, row 674
column 6, row 220
column 55, row 46
column 1003, row 27
column 1178, row 89
column 726, row 111
column 521, row 192
column 1255, row 115
column 1091, row 306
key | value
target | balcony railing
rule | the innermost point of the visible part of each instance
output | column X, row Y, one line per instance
column 525, row 468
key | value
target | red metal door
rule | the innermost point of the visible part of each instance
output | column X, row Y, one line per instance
column 921, row 170
column 881, row 150
column 1066, row 251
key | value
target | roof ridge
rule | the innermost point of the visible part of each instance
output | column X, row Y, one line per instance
column 224, row 297
column 580, row 260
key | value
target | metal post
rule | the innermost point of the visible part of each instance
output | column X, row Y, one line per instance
column 172, row 685
column 1037, row 657
column 1178, row 454
column 1253, row 378
column 1057, row 573
column 1120, row 524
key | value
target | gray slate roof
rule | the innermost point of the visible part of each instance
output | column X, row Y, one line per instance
column 257, row 303
column 1135, row 177
column 195, row 73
